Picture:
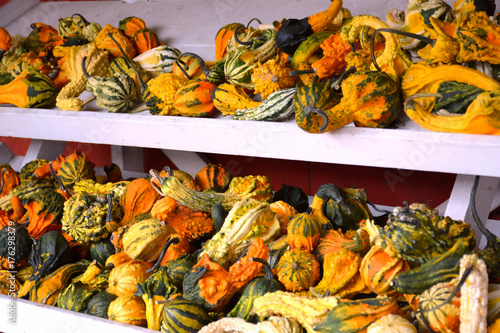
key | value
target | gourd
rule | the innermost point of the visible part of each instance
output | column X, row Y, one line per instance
column 9, row 284
column 180, row 266
column 257, row 287
column 194, row 99
column 391, row 323
column 370, row 99
column 137, row 200
column 116, row 93
column 159, row 93
column 473, row 294
column 214, row 177
column 131, row 25
column 284, row 212
column 480, row 115
column 303, row 232
column 378, row 270
column 101, row 250
column 42, row 39
column 128, row 309
column 257, row 187
column 184, row 316
column 310, row 97
column 247, row 220
column 48, row 253
column 439, row 269
column 294, row 196
column 356, row 315
column 97, row 64
column 241, row 60
column 75, row 297
column 30, row 89
column 5, row 41
column 157, row 60
column 308, row 311
column 334, row 240
column 228, row 98
column 8, row 179
column 124, row 278
column 84, row 216
column 47, row 289
column 307, row 49
column 293, row 31
column 77, row 25
column 339, row 269
column 117, row 259
column 99, row 303
column 15, row 246
column 189, row 223
column 105, row 42
column 222, row 38
column 214, row 74
column 144, row 40
column 158, row 287
column 298, row 270
column 439, row 308
column 279, row 105
column 123, row 66
column 271, row 76
column 144, row 240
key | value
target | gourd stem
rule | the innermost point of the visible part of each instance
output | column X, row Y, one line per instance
column 238, row 40
column 180, row 63
column 318, row 295
column 57, row 179
column 336, row 84
column 84, row 70
column 269, row 272
column 156, row 176
column 4, row 170
column 169, row 171
column 377, row 209
column 88, row 100
column 254, row 19
column 424, row 39
column 301, row 72
column 130, row 62
column 312, row 109
column 492, row 241
column 173, row 240
column 462, row 281
column 109, row 197
column 82, row 18
column 203, row 65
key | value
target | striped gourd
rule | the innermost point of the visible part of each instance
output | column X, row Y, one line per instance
column 183, row 316
column 144, row 240
column 158, row 60
column 278, row 105
column 122, row 66
column 115, row 93
column 303, row 232
column 241, row 60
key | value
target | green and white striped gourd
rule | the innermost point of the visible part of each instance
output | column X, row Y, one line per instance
column 278, row 105
column 158, row 60
column 241, row 60
column 115, row 93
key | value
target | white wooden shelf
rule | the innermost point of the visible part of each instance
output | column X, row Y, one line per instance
column 191, row 26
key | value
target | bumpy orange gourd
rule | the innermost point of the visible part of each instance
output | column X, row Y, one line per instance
column 104, row 42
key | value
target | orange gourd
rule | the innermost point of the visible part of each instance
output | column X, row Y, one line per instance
column 144, row 40
column 124, row 278
column 104, row 42
column 9, row 179
column 5, row 41
column 128, row 309
column 298, row 270
column 213, row 177
column 245, row 270
column 131, row 25
column 138, row 199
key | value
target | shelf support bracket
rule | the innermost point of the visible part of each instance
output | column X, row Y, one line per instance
column 189, row 162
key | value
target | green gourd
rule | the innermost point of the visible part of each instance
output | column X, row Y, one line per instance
column 183, row 316
column 75, row 297
column 99, row 303
column 116, row 93
column 157, row 60
column 101, row 250
column 277, row 106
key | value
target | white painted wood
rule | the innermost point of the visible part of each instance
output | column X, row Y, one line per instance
column 187, row 161
column 458, row 204
column 41, row 318
column 15, row 9
column 128, row 158
column 5, row 154
column 17, row 162
column 408, row 148
column 49, row 150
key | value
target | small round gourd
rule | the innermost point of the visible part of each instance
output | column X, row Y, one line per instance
column 183, row 316
column 303, row 232
column 298, row 270
column 99, row 303
column 391, row 323
column 123, row 279
column 128, row 310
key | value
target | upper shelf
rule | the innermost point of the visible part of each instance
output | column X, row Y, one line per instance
column 191, row 25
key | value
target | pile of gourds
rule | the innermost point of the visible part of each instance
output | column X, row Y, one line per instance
column 219, row 253
column 326, row 70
